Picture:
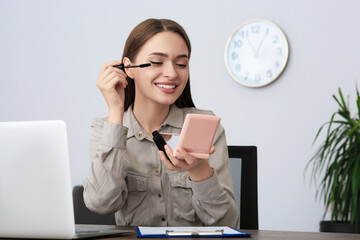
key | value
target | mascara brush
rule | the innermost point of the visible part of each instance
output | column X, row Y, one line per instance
column 122, row 67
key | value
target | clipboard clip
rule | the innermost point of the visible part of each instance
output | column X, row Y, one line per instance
column 194, row 233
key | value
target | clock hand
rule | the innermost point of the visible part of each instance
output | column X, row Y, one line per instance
column 253, row 48
column 261, row 43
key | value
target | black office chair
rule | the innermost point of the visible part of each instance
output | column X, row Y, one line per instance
column 243, row 164
column 83, row 215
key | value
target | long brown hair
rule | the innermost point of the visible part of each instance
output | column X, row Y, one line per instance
column 137, row 38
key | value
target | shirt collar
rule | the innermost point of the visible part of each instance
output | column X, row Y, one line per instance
column 130, row 122
column 175, row 119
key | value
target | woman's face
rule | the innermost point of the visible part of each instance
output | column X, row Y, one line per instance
column 164, row 81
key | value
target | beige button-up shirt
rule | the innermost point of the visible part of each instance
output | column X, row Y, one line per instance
column 128, row 178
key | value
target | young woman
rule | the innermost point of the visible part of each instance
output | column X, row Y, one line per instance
column 129, row 176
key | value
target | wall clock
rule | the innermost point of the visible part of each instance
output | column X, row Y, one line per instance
column 256, row 53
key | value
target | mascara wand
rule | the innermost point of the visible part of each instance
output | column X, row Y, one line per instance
column 122, row 67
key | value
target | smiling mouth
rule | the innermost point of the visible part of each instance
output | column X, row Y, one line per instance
column 166, row 86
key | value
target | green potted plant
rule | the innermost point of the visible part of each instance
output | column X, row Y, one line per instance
column 338, row 158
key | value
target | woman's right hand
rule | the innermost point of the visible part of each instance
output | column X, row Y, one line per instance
column 112, row 83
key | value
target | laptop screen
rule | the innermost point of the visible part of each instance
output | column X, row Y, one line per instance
column 35, row 182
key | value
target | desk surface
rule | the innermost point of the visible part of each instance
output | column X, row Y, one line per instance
column 259, row 234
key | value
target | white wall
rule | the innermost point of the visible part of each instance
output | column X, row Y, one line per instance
column 51, row 53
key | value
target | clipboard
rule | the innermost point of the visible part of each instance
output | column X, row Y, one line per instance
column 167, row 232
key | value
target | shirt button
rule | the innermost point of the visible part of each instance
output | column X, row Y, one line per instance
column 163, row 219
column 159, row 195
column 157, row 170
column 125, row 143
column 139, row 135
column 154, row 144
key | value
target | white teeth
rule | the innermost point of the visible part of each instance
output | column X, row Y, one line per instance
column 166, row 86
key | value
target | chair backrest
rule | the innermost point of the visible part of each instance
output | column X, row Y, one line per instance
column 243, row 164
column 83, row 215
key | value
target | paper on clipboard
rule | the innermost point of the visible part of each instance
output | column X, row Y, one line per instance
column 221, row 231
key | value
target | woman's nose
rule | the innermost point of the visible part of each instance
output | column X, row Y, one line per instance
column 169, row 71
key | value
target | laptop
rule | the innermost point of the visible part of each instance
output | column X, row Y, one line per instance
column 35, row 184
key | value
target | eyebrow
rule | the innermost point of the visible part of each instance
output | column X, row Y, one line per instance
column 165, row 55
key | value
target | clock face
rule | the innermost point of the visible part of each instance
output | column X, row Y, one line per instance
column 256, row 53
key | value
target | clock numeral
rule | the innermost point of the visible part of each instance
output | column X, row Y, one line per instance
column 234, row 55
column 246, row 76
column 238, row 44
column 257, row 78
column 238, row 67
column 275, row 39
column 255, row 29
column 277, row 64
column 269, row 73
column 244, row 34
column 278, row 51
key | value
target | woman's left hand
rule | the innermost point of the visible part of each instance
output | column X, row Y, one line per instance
column 198, row 169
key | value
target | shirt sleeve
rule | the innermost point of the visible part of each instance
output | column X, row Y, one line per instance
column 105, row 190
column 213, row 198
